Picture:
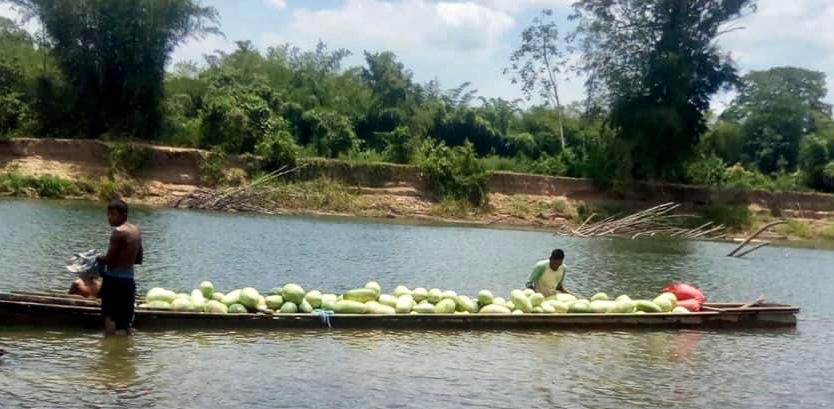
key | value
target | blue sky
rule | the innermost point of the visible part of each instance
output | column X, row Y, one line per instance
column 470, row 40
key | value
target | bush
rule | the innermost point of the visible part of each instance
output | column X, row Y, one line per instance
column 278, row 149
column 399, row 146
column 737, row 177
column 212, row 168
column 332, row 133
column 707, row 171
column 47, row 186
column 454, row 173
column 733, row 216
column 114, row 188
column 127, row 159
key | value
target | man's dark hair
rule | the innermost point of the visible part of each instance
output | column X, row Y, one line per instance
column 119, row 206
column 558, row 254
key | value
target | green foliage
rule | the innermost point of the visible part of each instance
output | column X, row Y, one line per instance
column 816, row 157
column 658, row 75
column 332, row 133
column 213, row 167
column 707, row 171
column 113, row 53
column 47, row 186
column 399, row 145
column 322, row 194
column 454, row 173
column 114, row 188
column 278, row 150
column 734, row 217
column 129, row 159
column 453, row 208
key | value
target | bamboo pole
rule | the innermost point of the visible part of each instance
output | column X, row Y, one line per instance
column 754, row 235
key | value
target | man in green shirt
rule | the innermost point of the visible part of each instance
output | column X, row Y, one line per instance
column 548, row 275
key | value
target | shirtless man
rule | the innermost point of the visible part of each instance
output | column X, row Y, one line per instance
column 118, row 288
column 87, row 287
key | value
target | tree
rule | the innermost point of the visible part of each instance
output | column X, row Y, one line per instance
column 114, row 54
column 656, row 64
column 538, row 62
column 775, row 109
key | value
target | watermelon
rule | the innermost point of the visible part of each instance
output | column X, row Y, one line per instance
column 521, row 301
column 445, row 306
column 305, row 307
column 494, row 309
column 293, row 293
column 646, row 306
column 538, row 310
column 207, row 289
column 328, row 301
column 389, row 300
column 510, row 305
column 622, row 306
column 160, row 294
column 602, row 306
column 528, row 292
column 361, row 295
column 249, row 298
column 350, row 307
column 623, row 297
column 666, row 304
column 218, row 296
column 159, row 305
column 562, row 297
column 276, row 291
column 289, row 307
column 401, row 290
column 599, row 297
column 233, row 297
column 420, row 294
column 449, row 294
column 198, row 300
column 374, row 307
column 680, row 310
column 580, row 307
column 485, row 297
column 499, row 301
column 314, row 298
column 547, row 308
column 536, row 299
column 216, row 307
column 373, row 285
column 404, row 304
column 517, row 312
column 182, row 304
column 423, row 308
column 464, row 303
column 692, row 304
column 274, row 302
column 560, row 307
column 237, row 309
column 435, row 295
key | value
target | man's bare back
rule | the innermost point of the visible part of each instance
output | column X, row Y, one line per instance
column 125, row 248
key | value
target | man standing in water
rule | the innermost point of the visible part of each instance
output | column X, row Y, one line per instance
column 548, row 276
column 118, row 288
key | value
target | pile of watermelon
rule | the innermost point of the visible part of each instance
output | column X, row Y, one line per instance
column 370, row 299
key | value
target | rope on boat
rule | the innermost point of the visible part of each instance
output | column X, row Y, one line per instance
column 324, row 316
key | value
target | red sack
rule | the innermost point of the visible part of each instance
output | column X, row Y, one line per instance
column 685, row 292
column 691, row 304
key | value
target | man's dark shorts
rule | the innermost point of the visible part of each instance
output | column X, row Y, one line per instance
column 118, row 296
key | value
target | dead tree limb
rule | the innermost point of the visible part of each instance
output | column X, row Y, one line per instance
column 754, row 235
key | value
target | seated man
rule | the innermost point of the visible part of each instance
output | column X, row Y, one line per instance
column 548, row 275
column 86, row 286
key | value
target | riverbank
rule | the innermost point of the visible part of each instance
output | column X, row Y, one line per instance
column 160, row 175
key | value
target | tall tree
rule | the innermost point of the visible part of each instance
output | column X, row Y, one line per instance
column 656, row 64
column 114, row 53
column 538, row 63
column 776, row 108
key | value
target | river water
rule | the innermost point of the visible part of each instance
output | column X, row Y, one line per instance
column 783, row 368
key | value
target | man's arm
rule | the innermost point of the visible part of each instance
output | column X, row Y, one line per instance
column 115, row 244
column 561, row 286
column 535, row 275
column 140, row 256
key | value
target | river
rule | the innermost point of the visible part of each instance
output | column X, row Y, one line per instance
column 783, row 368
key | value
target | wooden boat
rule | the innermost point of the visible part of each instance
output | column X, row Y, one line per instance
column 51, row 309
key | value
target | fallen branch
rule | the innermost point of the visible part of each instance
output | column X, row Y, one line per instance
column 752, row 249
column 754, row 235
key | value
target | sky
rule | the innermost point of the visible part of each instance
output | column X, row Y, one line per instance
column 456, row 41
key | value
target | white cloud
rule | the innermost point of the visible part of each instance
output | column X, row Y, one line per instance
column 796, row 32
column 195, row 49
column 278, row 4
column 521, row 5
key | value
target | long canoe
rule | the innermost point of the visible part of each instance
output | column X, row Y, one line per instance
column 45, row 309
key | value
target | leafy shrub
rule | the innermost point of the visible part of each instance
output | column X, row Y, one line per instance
column 707, row 171
column 733, row 216
column 278, row 149
column 129, row 159
column 212, row 167
column 454, row 173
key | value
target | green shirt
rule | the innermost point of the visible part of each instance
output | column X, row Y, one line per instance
column 545, row 280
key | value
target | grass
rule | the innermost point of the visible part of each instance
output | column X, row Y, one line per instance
column 129, row 159
column 318, row 194
column 453, row 208
column 47, row 186
column 113, row 188
column 736, row 218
